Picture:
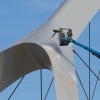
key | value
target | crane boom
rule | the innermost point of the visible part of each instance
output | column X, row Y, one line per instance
column 94, row 52
column 67, row 38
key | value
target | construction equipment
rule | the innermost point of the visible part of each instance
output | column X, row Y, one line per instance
column 65, row 40
column 64, row 35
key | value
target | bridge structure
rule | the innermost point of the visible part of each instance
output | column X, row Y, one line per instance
column 39, row 51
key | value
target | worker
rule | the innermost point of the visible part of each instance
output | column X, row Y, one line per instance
column 59, row 31
column 69, row 33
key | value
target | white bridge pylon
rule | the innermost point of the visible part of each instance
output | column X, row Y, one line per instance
column 33, row 52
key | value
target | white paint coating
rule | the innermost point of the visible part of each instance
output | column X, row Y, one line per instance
column 32, row 52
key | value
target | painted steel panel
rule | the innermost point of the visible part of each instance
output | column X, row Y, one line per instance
column 38, row 50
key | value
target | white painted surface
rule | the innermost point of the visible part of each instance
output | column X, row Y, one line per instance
column 26, row 56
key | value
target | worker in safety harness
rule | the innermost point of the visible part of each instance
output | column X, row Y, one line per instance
column 69, row 33
column 60, row 31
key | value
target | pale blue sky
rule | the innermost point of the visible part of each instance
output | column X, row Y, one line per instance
column 20, row 17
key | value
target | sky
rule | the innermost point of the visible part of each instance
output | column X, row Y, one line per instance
column 20, row 17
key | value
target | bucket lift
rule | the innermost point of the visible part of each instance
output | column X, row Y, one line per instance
column 66, row 37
